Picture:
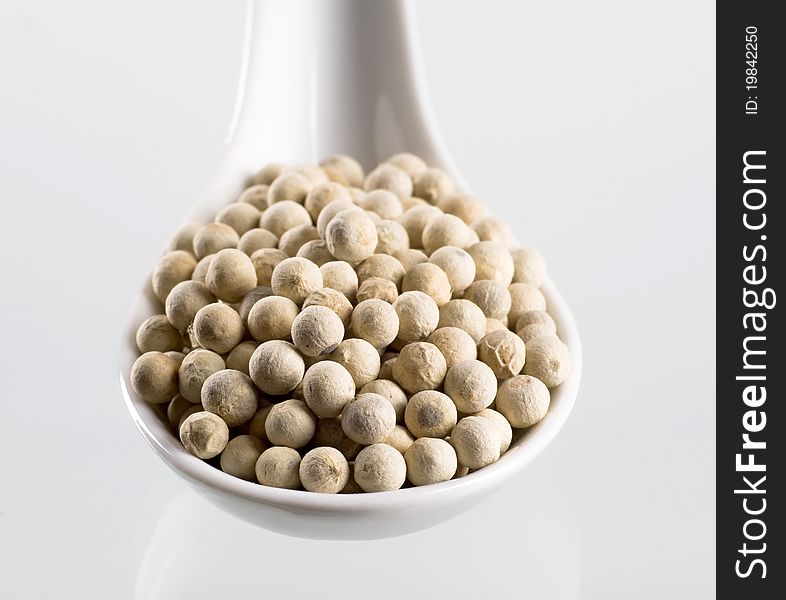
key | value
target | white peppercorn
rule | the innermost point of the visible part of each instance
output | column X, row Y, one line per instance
column 432, row 184
column 357, row 194
column 415, row 220
column 343, row 169
column 172, row 268
column 295, row 278
column 386, row 368
column 213, row 237
column 297, row 393
column 529, row 266
column 177, row 408
column 184, row 238
column 430, row 460
column 332, row 299
column 256, row 196
column 289, row 186
column 465, row 315
column 283, row 216
column 358, row 357
column 265, row 261
column 430, row 414
column 204, row 434
column 253, row 296
column 493, row 229
column 389, row 177
column 524, row 298
column 539, row 317
column 200, row 271
column 411, row 164
column 420, row 366
column 240, row 456
column 324, row 470
column 368, row 419
column 176, row 356
column 340, row 276
column 458, row 264
column 455, row 344
column 316, row 331
column 267, row 174
column 322, row 195
column 294, row 239
column 316, row 251
column 240, row 216
column 461, row 471
column 535, row 330
column 429, row 279
column 195, row 408
column 523, row 400
column 418, row 316
column 446, row 230
column 240, row 355
column 218, row 327
column 351, row 236
column 472, row 385
column 154, row 377
column 548, row 359
column 492, row 297
column 504, row 352
column 476, row 441
column 410, row 257
column 465, row 206
column 390, row 390
column 231, row 275
column 196, row 367
column 495, row 325
column 383, row 202
column 376, row 287
column 380, row 468
column 400, row 439
column 279, row 467
column 271, row 318
column 375, row 321
column 157, row 333
column 412, row 202
column 256, row 239
column 383, row 266
column 330, row 211
column 503, row 427
column 256, row 426
column 391, row 236
column 492, row 261
column 231, row 395
column 290, row 423
column 374, row 217
column 396, row 345
column 352, row 487
column 276, row 367
column 313, row 173
column 330, row 433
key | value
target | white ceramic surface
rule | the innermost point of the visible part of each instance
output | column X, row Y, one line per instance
column 352, row 84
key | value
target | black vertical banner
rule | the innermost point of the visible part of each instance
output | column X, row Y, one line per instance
column 751, row 262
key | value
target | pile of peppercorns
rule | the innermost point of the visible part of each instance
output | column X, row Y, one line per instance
column 341, row 332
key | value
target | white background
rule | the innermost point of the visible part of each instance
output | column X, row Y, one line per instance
column 590, row 123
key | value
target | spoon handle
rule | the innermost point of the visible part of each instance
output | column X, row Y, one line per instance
column 327, row 76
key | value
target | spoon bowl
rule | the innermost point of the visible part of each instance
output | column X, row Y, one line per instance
column 320, row 78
